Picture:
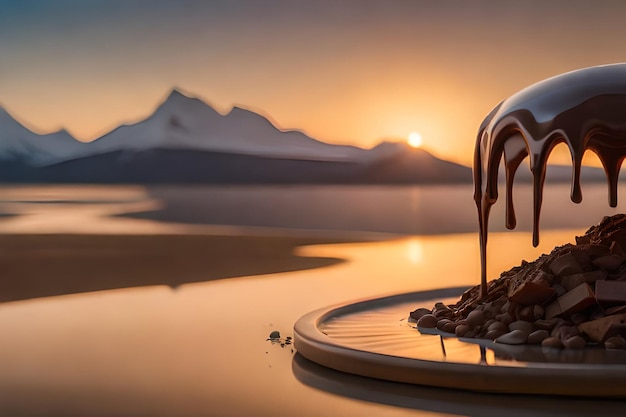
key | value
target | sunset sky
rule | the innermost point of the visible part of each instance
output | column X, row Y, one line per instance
column 348, row 72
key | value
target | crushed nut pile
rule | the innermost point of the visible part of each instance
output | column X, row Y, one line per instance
column 571, row 298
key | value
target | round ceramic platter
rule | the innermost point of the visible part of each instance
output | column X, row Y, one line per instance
column 373, row 338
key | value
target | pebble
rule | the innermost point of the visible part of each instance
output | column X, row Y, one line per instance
column 275, row 335
column 547, row 324
column 497, row 325
column 494, row 334
column 475, row 318
column 442, row 322
column 441, row 310
column 552, row 342
column 615, row 342
column 449, row 327
column 441, row 306
column 578, row 318
column 496, row 306
column 471, row 333
column 531, row 313
column 575, row 342
column 564, row 332
column 488, row 323
column 461, row 330
column 427, row 320
column 515, row 337
column 538, row 336
column 417, row 314
column 525, row 326
column 504, row 318
column 559, row 290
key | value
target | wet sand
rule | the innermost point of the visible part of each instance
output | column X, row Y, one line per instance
column 46, row 265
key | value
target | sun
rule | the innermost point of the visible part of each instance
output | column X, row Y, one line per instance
column 415, row 140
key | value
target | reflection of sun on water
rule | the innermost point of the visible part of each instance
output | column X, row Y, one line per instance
column 415, row 140
column 415, row 251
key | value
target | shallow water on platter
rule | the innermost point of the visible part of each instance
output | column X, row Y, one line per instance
column 386, row 330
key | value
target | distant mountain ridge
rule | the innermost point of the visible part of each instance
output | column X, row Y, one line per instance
column 189, row 123
column 19, row 143
column 186, row 140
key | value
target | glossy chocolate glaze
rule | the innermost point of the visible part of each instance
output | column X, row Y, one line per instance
column 585, row 109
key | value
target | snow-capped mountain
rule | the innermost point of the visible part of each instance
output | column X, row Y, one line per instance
column 186, row 140
column 182, row 122
column 19, row 143
column 187, row 123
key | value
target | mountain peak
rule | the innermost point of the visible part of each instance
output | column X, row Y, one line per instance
column 175, row 94
column 387, row 144
column 180, row 102
column 241, row 111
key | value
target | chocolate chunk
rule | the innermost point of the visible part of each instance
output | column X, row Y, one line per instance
column 596, row 251
column 570, row 282
column 615, row 329
column 596, row 330
column 573, row 301
column 618, row 276
column 617, row 249
column 529, row 293
column 611, row 229
column 615, row 310
column 611, row 293
column 608, row 262
column 565, row 264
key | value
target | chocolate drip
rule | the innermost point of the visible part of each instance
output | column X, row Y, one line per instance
column 585, row 109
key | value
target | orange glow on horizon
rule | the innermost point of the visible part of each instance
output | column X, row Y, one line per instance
column 366, row 73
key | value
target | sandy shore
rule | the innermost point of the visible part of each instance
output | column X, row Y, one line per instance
column 47, row 265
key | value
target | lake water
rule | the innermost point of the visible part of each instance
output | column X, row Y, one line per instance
column 406, row 210
column 200, row 348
